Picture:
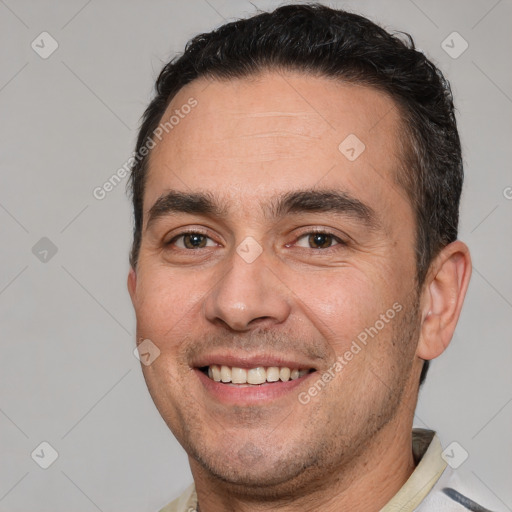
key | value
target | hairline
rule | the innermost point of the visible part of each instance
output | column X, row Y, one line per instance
column 404, row 152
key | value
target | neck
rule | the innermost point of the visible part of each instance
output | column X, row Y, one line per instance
column 365, row 484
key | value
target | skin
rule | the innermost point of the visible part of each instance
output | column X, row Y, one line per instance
column 247, row 141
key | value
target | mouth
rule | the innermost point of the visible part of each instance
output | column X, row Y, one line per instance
column 256, row 376
column 251, row 379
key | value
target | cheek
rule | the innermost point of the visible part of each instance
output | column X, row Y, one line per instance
column 165, row 301
column 342, row 304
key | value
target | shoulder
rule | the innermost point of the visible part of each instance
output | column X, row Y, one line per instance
column 454, row 494
column 186, row 502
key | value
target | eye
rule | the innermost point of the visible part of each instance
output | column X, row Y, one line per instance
column 318, row 240
column 192, row 240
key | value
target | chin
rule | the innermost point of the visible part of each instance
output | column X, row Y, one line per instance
column 248, row 468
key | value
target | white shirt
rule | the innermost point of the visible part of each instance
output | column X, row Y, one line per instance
column 432, row 487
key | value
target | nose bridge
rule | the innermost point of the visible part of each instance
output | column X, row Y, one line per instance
column 248, row 292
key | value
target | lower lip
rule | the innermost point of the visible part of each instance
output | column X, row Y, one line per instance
column 250, row 394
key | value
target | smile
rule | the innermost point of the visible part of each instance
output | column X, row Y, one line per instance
column 252, row 376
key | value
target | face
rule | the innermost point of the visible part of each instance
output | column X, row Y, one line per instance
column 274, row 241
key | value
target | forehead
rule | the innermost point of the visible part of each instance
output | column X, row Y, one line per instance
column 273, row 132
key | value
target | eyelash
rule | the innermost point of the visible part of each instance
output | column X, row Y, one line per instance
column 335, row 238
column 184, row 233
column 339, row 241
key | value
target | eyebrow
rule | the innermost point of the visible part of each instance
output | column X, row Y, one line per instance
column 293, row 202
column 174, row 202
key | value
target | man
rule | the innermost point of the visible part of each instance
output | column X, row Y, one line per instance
column 295, row 263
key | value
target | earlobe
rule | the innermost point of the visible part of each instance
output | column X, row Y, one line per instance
column 132, row 284
column 442, row 298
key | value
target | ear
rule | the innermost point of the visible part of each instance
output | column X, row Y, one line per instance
column 442, row 297
column 132, row 284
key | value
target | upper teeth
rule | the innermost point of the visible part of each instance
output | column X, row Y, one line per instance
column 257, row 375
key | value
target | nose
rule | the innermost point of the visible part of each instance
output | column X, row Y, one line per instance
column 248, row 295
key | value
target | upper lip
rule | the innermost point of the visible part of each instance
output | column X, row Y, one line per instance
column 251, row 361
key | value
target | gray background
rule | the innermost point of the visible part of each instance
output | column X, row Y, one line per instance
column 67, row 372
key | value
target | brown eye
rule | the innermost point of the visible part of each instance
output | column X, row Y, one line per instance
column 317, row 240
column 320, row 240
column 191, row 241
column 194, row 241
